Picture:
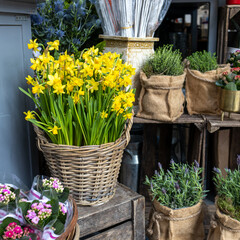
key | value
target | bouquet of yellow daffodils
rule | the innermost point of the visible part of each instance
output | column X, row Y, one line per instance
column 83, row 101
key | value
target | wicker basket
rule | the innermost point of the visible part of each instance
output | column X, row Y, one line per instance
column 90, row 172
column 72, row 231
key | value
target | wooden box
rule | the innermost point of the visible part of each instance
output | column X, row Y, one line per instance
column 123, row 217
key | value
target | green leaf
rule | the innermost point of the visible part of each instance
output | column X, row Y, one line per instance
column 59, row 226
column 64, row 195
column 231, row 86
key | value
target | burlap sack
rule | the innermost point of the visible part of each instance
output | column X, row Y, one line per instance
column 223, row 227
column 202, row 94
column 161, row 97
column 179, row 224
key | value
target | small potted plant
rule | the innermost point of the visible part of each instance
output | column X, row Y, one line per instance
column 47, row 187
column 177, row 203
column 202, row 95
column 234, row 59
column 10, row 228
column 162, row 77
column 226, row 221
column 230, row 94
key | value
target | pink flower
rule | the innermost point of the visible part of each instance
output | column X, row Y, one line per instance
column 18, row 230
column 9, row 234
column 13, row 224
column 35, row 220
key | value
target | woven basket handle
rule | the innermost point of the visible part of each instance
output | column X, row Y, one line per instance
column 41, row 139
column 128, row 128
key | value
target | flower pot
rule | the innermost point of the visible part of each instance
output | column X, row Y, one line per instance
column 202, row 94
column 161, row 97
column 233, row 2
column 72, row 231
column 223, row 227
column 230, row 101
column 180, row 224
column 134, row 51
column 90, row 172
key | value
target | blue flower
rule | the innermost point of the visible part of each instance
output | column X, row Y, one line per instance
column 59, row 33
column 216, row 170
column 37, row 19
column 159, row 165
column 58, row 6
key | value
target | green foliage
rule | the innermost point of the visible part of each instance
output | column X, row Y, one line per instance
column 178, row 187
column 165, row 61
column 230, row 80
column 228, row 190
column 72, row 22
column 203, row 61
column 234, row 59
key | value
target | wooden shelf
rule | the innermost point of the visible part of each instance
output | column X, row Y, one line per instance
column 185, row 118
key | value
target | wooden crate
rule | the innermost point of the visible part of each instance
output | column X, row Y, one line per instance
column 123, row 217
column 226, row 13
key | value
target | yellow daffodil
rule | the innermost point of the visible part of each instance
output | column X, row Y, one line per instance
column 30, row 80
column 54, row 130
column 58, row 88
column 37, row 89
column 53, row 45
column 104, row 114
column 80, row 93
column 128, row 115
column 53, row 79
column 29, row 115
column 33, row 45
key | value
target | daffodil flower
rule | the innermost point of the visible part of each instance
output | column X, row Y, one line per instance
column 54, row 130
column 29, row 115
column 33, row 45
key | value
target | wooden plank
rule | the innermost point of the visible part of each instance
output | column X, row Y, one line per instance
column 121, row 232
column 214, row 123
column 138, row 218
column 234, row 147
column 195, row 144
column 148, row 164
column 185, row 118
column 221, row 143
column 117, row 210
column 164, row 146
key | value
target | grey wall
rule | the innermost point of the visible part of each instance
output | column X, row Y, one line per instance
column 15, row 142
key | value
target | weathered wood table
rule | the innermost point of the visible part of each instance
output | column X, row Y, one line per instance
column 123, row 218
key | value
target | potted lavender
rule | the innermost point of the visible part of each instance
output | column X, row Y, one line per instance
column 225, row 223
column 177, row 203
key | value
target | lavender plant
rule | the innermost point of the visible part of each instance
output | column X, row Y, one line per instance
column 228, row 190
column 72, row 22
column 181, row 186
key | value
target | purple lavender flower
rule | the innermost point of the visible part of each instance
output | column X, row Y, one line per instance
column 151, row 186
column 159, row 165
column 196, row 164
column 195, row 169
column 172, row 161
column 186, row 170
column 238, row 159
column 156, row 172
column 216, row 170
column 164, row 191
column 177, row 186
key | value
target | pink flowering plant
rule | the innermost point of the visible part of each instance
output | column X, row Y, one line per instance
column 8, row 197
column 11, row 229
column 51, row 188
column 234, row 59
column 230, row 80
column 41, row 214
